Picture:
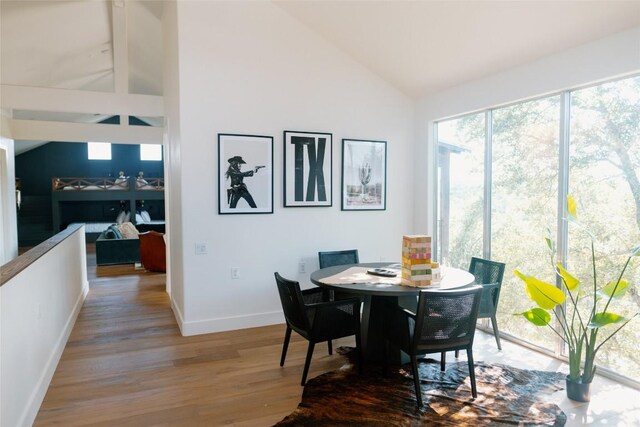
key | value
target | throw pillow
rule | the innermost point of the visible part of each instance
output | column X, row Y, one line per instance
column 139, row 219
column 128, row 230
column 116, row 232
column 145, row 216
column 121, row 217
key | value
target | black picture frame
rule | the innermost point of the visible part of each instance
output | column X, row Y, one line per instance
column 364, row 175
column 308, row 174
column 248, row 191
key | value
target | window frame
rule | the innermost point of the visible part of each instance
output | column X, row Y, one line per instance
column 562, row 236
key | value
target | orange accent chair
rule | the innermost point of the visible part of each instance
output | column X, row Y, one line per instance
column 153, row 251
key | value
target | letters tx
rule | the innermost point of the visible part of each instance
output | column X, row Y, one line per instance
column 315, row 177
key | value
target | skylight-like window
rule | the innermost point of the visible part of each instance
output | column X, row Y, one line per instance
column 99, row 150
column 151, row 152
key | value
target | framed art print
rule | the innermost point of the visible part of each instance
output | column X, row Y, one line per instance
column 364, row 175
column 245, row 174
column 307, row 169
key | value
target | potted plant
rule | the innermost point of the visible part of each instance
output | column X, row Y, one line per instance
column 586, row 312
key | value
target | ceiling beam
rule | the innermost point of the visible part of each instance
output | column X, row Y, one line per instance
column 120, row 50
column 37, row 130
column 80, row 101
column 5, row 127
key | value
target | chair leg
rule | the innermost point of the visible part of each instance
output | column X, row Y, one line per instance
column 330, row 346
column 359, row 352
column 472, row 373
column 307, row 362
column 496, row 333
column 385, row 366
column 285, row 346
column 457, row 353
column 443, row 360
column 416, row 380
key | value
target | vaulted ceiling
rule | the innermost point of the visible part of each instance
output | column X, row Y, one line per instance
column 420, row 47
column 69, row 45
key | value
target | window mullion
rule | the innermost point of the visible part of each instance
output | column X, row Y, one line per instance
column 563, row 189
column 486, row 228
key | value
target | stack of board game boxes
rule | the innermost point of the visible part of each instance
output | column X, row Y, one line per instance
column 417, row 268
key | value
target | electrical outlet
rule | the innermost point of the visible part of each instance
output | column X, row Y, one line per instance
column 302, row 267
column 201, row 248
column 235, row 273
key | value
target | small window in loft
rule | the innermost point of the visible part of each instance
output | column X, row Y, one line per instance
column 151, row 152
column 99, row 150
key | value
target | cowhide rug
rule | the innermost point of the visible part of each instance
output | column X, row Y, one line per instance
column 506, row 396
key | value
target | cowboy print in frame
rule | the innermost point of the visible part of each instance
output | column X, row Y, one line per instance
column 364, row 175
column 245, row 174
column 307, row 169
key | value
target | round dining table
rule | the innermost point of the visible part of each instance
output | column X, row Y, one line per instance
column 377, row 291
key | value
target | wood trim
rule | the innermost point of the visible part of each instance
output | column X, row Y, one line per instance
column 16, row 265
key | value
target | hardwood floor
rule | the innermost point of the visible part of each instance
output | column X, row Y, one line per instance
column 126, row 364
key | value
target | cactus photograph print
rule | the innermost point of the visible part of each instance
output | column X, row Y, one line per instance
column 364, row 175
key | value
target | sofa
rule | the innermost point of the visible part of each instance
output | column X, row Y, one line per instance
column 112, row 247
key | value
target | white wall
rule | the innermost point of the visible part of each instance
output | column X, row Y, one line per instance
column 614, row 56
column 248, row 67
column 38, row 308
column 172, row 164
column 8, row 215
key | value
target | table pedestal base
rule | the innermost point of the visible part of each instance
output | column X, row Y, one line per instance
column 374, row 323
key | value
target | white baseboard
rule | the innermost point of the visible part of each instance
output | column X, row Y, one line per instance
column 37, row 396
column 209, row 326
column 178, row 314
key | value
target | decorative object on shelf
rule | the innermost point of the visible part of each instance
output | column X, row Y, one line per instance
column 581, row 311
column 417, row 268
column 140, row 181
column 364, row 175
column 245, row 174
column 307, row 169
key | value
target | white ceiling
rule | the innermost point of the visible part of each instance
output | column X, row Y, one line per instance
column 68, row 45
column 420, row 47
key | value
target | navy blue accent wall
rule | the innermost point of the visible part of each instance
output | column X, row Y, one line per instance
column 36, row 167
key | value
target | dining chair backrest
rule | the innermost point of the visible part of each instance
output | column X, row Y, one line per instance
column 292, row 303
column 489, row 274
column 446, row 319
column 331, row 258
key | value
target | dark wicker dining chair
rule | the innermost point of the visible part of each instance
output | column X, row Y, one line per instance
column 445, row 321
column 488, row 274
column 333, row 258
column 316, row 320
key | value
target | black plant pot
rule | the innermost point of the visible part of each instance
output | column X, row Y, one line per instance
column 578, row 391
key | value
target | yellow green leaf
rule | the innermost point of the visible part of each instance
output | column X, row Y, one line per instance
column 606, row 318
column 544, row 294
column 571, row 207
column 608, row 290
column 570, row 282
column 537, row 316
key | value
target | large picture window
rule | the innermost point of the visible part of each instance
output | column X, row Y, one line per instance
column 502, row 175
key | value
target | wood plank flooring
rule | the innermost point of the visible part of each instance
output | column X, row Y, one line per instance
column 126, row 364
